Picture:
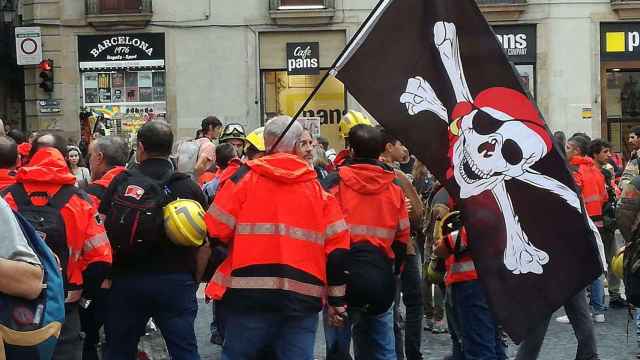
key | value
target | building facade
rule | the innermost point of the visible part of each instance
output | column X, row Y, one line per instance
column 244, row 61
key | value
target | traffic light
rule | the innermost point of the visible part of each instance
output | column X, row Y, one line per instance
column 46, row 75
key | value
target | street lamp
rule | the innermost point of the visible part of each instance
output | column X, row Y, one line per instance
column 8, row 12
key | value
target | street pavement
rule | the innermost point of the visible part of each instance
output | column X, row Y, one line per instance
column 560, row 342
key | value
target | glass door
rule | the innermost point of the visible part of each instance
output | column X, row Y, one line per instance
column 622, row 106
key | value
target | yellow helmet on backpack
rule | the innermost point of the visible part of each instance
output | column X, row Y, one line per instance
column 617, row 264
column 184, row 222
column 256, row 138
column 351, row 119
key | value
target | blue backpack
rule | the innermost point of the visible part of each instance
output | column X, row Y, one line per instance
column 29, row 329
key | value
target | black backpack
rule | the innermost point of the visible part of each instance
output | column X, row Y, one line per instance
column 47, row 220
column 135, row 220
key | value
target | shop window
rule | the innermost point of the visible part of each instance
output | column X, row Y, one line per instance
column 284, row 94
column 622, row 106
column 127, row 99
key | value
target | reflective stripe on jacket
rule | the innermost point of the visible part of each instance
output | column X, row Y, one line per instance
column 590, row 181
column 285, row 235
column 373, row 205
column 460, row 267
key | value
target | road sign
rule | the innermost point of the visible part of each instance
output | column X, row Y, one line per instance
column 28, row 45
column 49, row 106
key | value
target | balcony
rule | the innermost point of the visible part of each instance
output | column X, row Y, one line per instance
column 119, row 14
column 301, row 12
column 626, row 9
column 502, row 10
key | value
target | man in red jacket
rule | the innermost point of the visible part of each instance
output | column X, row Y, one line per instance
column 287, row 239
column 80, row 242
column 374, row 205
column 108, row 156
column 8, row 162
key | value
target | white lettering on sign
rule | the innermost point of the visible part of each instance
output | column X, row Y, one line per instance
column 121, row 40
column 513, row 44
column 299, row 52
column 634, row 40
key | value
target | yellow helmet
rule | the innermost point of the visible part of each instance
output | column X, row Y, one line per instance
column 617, row 264
column 184, row 222
column 256, row 138
column 351, row 119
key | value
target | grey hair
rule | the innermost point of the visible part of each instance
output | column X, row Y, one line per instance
column 114, row 149
column 274, row 128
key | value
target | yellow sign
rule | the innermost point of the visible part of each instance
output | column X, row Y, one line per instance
column 615, row 42
column 286, row 93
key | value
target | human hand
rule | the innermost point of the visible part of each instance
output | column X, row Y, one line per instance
column 337, row 315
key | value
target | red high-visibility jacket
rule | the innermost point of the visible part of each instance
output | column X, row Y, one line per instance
column 7, row 178
column 459, row 268
column 86, row 239
column 591, row 183
column 286, row 238
column 373, row 205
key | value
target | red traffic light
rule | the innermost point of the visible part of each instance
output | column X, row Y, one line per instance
column 46, row 65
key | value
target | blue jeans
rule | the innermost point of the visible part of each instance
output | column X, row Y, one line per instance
column 337, row 339
column 373, row 337
column 474, row 332
column 597, row 296
column 169, row 298
column 250, row 333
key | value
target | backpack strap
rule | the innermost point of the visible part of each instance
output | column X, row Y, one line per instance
column 240, row 173
column 62, row 197
column 19, row 195
column 96, row 190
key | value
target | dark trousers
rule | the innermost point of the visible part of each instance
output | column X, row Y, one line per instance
column 251, row 333
column 474, row 332
column 169, row 298
column 92, row 319
column 577, row 310
column 69, row 345
column 412, row 297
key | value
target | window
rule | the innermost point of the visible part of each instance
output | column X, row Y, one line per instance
column 120, row 6
column 301, row 4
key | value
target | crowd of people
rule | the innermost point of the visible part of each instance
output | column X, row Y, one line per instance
column 282, row 228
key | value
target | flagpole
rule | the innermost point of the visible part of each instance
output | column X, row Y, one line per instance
column 326, row 75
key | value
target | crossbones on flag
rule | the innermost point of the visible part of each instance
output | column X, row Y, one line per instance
column 433, row 73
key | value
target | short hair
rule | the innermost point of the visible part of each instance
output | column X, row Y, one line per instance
column 156, row 137
column 275, row 127
column 224, row 153
column 636, row 130
column 210, row 121
column 581, row 143
column 18, row 136
column 8, row 152
column 387, row 138
column 114, row 149
column 581, row 134
column 366, row 142
column 597, row 146
column 42, row 141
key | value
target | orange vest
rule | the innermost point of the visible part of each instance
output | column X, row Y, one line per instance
column 592, row 186
column 460, row 267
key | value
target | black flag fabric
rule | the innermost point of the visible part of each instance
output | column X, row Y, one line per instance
column 433, row 73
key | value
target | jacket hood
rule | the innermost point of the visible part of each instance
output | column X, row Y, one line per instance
column 582, row 160
column 46, row 166
column 366, row 178
column 231, row 169
column 283, row 167
column 108, row 177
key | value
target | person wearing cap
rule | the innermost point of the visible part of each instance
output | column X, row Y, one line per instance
column 375, row 211
column 234, row 134
column 255, row 144
column 348, row 121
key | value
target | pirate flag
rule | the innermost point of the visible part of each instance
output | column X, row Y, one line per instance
column 433, row 73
